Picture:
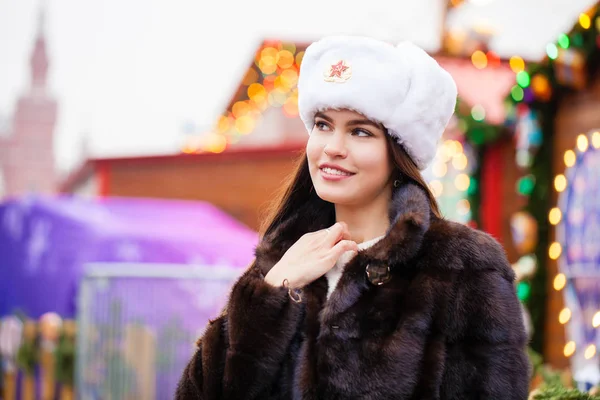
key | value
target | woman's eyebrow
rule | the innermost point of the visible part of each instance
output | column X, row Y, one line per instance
column 350, row 123
column 363, row 122
column 325, row 117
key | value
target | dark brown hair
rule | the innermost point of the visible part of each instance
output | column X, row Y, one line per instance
column 300, row 190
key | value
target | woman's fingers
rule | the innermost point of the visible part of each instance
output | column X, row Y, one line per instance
column 343, row 246
column 336, row 232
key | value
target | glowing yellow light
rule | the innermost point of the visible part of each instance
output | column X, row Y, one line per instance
column 570, row 158
column 564, row 316
column 268, row 60
column 451, row 147
column 277, row 98
column 560, row 280
column 289, row 78
column 517, row 64
column 463, row 206
column 560, row 183
column 590, row 351
column 216, row 143
column 596, row 135
column 267, row 67
column 257, row 92
column 244, row 125
column 285, row 59
column 458, row 146
column 479, row 59
column 270, row 54
column 460, row 161
column 555, row 250
column 436, row 187
column 585, row 21
column 582, row 143
column 240, row 109
column 554, row 216
column 281, row 85
column 569, row 349
column 462, row 182
column 223, row 124
column 439, row 169
column 189, row 149
column 596, row 320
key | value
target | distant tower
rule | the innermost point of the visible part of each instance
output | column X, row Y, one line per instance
column 27, row 154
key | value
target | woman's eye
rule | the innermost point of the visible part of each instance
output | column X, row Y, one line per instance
column 321, row 126
column 364, row 132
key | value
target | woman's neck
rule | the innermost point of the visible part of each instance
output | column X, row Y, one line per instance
column 365, row 222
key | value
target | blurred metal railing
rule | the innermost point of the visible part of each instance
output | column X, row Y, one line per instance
column 138, row 324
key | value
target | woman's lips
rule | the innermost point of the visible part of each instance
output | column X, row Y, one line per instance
column 334, row 177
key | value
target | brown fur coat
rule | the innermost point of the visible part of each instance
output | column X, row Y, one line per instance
column 448, row 325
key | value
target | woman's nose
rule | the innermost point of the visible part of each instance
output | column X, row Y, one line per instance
column 335, row 145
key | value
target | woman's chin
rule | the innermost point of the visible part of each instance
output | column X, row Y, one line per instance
column 336, row 196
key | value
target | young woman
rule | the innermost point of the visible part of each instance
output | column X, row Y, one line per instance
column 360, row 289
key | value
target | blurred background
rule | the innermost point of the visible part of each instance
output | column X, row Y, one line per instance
column 141, row 143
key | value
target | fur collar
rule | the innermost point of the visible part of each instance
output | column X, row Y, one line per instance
column 409, row 214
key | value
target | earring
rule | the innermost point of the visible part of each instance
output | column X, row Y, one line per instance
column 396, row 183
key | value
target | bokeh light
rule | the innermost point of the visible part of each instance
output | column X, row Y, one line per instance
column 517, row 93
column 552, row 51
column 585, row 21
column 570, row 158
column 564, row 316
column 554, row 216
column 462, row 182
column 560, row 183
column 478, row 113
column 244, row 125
column 590, row 351
column 560, row 280
column 582, row 143
column 596, row 136
column 555, row 251
column 517, row 64
column 569, row 349
column 436, row 187
column 460, row 161
column 479, row 59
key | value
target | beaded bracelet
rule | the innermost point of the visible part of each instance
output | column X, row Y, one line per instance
column 286, row 284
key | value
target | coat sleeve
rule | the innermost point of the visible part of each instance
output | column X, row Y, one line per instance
column 240, row 353
column 494, row 339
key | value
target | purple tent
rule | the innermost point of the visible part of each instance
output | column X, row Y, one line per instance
column 46, row 242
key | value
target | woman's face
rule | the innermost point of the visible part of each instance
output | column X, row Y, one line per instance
column 347, row 140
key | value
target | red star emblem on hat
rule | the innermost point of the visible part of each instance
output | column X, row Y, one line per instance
column 337, row 69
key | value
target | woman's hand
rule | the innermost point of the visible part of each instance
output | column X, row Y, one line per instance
column 311, row 256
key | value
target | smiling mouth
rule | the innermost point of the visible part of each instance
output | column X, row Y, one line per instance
column 335, row 172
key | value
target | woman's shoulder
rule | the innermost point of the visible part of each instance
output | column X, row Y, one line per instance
column 476, row 250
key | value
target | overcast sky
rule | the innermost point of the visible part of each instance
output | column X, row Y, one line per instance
column 130, row 74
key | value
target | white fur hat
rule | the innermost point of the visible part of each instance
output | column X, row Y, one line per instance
column 400, row 86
